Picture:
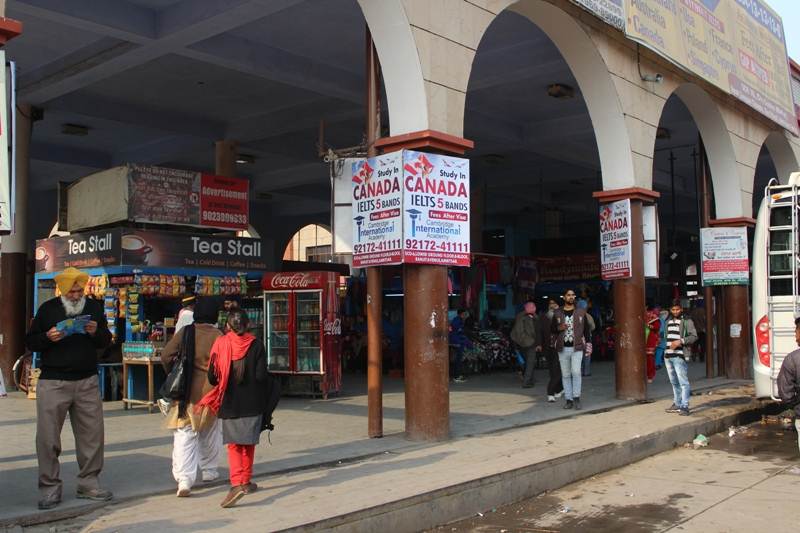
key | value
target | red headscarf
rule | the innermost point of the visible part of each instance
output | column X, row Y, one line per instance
column 226, row 349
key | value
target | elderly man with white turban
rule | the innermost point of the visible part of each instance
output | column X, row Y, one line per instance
column 69, row 384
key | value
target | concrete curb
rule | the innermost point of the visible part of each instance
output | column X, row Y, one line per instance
column 460, row 501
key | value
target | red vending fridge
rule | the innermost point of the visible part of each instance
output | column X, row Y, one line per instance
column 302, row 330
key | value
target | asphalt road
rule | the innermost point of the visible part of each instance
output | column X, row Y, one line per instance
column 746, row 482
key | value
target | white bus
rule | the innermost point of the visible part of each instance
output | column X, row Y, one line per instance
column 776, row 260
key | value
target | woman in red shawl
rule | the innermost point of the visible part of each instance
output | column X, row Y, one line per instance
column 238, row 371
column 652, row 326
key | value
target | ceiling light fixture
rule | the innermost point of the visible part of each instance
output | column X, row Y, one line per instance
column 75, row 129
column 245, row 159
column 560, row 91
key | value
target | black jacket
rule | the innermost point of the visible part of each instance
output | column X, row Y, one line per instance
column 789, row 381
column 248, row 398
column 74, row 357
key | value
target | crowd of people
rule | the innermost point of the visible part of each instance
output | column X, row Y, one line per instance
column 225, row 394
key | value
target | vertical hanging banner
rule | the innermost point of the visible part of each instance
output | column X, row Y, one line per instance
column 615, row 240
column 377, row 210
column 436, row 204
column 5, row 187
column 725, row 260
column 411, row 207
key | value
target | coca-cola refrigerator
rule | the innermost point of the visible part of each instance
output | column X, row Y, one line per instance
column 302, row 330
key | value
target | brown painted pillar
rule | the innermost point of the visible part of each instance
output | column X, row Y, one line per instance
column 734, row 333
column 629, row 303
column 425, row 324
column 374, row 276
column 14, row 313
column 225, row 158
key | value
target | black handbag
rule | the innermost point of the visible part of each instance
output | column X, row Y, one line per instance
column 174, row 386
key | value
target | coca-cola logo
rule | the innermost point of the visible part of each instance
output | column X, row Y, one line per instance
column 298, row 280
column 333, row 327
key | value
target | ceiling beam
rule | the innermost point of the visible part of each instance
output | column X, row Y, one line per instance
column 208, row 19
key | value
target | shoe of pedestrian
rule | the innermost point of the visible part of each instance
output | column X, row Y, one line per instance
column 163, row 406
column 559, row 395
column 460, row 379
column 233, row 496
column 184, row 489
column 569, row 405
column 684, row 411
column 551, row 398
column 49, row 502
column 649, row 381
column 98, row 494
column 209, row 475
column 577, row 403
column 250, row 488
column 672, row 409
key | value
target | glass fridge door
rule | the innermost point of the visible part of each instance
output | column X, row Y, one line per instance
column 308, row 331
column 276, row 335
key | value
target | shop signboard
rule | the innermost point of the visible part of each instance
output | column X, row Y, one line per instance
column 725, row 260
column 79, row 250
column 568, row 267
column 615, row 240
column 611, row 12
column 5, row 186
column 411, row 207
column 737, row 45
column 171, row 196
column 143, row 248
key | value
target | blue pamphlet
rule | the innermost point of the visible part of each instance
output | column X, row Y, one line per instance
column 73, row 325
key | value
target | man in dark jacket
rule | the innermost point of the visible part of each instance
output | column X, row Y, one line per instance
column 789, row 380
column 525, row 333
column 570, row 324
column 69, row 384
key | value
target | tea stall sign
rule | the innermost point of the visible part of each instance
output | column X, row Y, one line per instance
column 615, row 240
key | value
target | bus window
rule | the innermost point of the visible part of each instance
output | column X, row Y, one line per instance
column 780, row 216
column 780, row 241
column 780, row 265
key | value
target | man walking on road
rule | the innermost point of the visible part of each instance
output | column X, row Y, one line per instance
column 789, row 380
column 69, row 384
column 571, row 326
column 525, row 333
column 680, row 335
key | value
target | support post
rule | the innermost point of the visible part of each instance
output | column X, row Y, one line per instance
column 225, row 158
column 734, row 331
column 427, row 358
column 629, row 302
column 708, row 292
column 374, row 278
column 14, row 257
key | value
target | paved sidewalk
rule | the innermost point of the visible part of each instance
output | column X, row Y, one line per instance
column 309, row 433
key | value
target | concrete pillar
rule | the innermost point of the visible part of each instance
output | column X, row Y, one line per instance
column 629, row 302
column 14, row 257
column 425, row 325
column 734, row 331
column 225, row 158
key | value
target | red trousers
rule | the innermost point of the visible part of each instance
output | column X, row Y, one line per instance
column 240, row 461
column 651, row 364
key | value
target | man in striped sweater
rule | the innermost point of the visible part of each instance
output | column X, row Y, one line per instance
column 679, row 334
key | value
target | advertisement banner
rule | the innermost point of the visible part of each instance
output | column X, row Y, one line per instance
column 725, row 260
column 615, row 240
column 737, row 45
column 5, row 185
column 80, row 250
column 436, row 229
column 140, row 248
column 377, row 210
column 609, row 11
column 171, row 196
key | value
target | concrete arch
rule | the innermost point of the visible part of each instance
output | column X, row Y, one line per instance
column 599, row 92
column 400, row 65
column 719, row 148
column 784, row 155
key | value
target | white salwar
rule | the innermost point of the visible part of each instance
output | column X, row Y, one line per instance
column 196, row 449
